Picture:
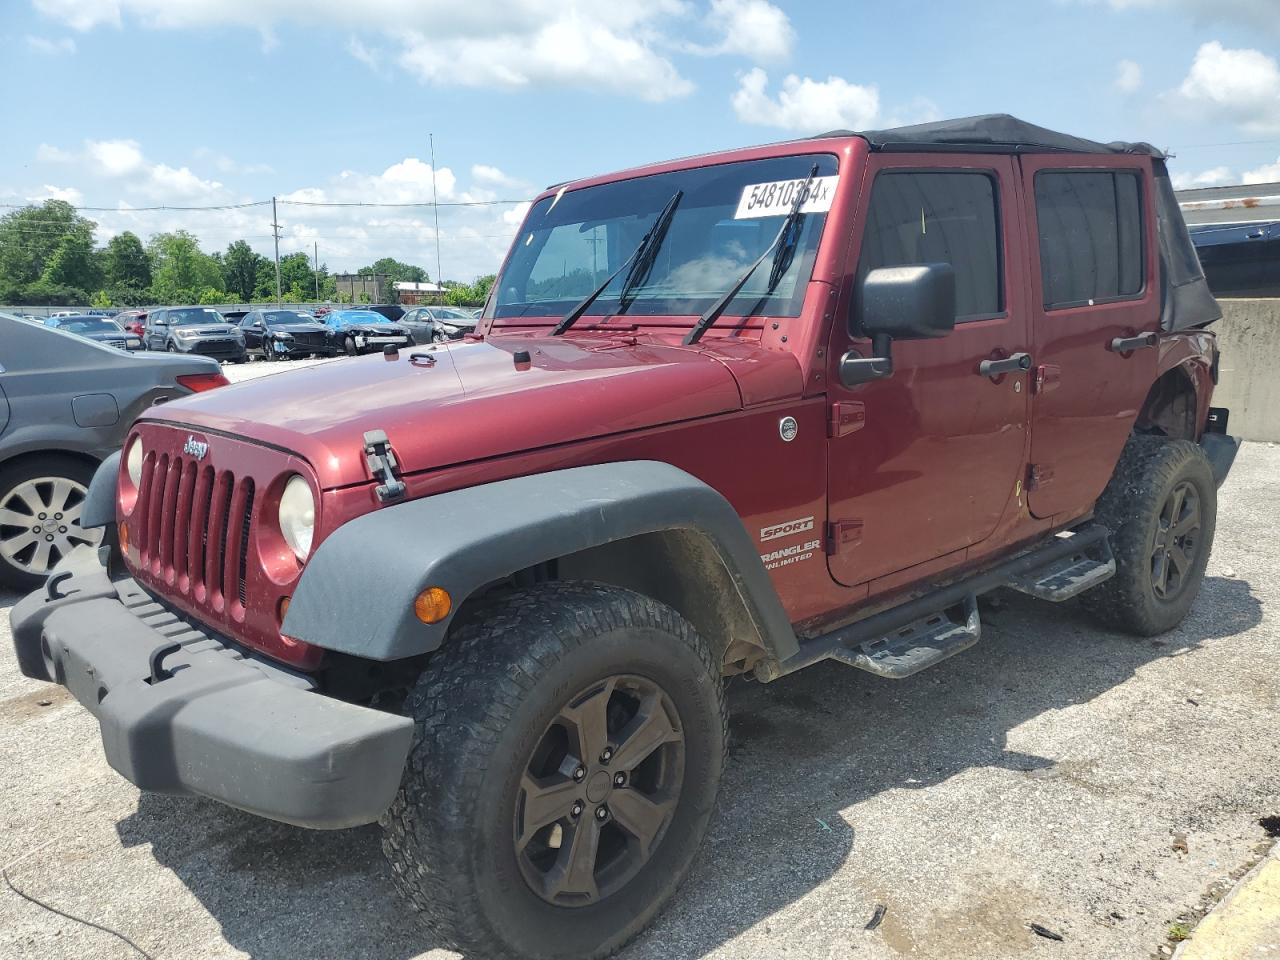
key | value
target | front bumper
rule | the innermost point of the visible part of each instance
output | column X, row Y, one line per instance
column 205, row 719
column 217, row 349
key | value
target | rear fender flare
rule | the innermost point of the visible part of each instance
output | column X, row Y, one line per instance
column 356, row 594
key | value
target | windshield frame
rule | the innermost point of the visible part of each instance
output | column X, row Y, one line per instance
column 751, row 308
column 108, row 325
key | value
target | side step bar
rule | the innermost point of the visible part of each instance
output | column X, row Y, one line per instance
column 903, row 640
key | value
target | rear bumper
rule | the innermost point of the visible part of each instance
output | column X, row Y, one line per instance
column 206, row 720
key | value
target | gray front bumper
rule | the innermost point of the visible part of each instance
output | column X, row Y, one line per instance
column 211, row 722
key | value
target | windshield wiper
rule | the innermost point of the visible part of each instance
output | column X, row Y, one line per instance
column 782, row 252
column 651, row 239
column 644, row 262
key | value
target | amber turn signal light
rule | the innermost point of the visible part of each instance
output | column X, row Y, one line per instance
column 282, row 608
column 123, row 532
column 433, row 605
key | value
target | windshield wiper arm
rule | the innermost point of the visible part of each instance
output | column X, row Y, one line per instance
column 664, row 217
column 776, row 248
column 644, row 262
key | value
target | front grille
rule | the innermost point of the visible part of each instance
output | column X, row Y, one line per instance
column 193, row 527
column 309, row 339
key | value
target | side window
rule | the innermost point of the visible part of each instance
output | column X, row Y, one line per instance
column 1090, row 236
column 939, row 218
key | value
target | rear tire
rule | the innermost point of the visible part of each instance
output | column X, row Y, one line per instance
column 495, row 879
column 55, row 486
column 1161, row 507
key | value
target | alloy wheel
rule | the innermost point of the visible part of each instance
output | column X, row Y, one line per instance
column 40, row 523
column 1173, row 552
column 599, row 791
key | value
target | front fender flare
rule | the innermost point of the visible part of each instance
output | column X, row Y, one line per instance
column 357, row 591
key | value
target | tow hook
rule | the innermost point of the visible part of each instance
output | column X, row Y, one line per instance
column 383, row 465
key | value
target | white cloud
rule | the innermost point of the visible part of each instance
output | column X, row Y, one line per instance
column 751, row 28
column 1242, row 86
column 49, row 192
column 491, row 176
column 369, row 57
column 115, row 158
column 1267, row 173
column 228, row 165
column 46, row 153
column 615, row 46
column 165, row 182
column 1128, row 76
column 1215, row 177
column 63, row 45
column 806, row 105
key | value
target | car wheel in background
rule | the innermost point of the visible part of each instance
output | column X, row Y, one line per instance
column 349, row 345
column 40, row 503
column 172, row 348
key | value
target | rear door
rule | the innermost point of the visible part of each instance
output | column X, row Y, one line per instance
column 155, row 331
column 925, row 462
column 1094, row 281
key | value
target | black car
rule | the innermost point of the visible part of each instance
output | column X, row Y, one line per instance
column 100, row 329
column 199, row 330
column 283, row 334
column 438, row 323
column 392, row 311
column 363, row 331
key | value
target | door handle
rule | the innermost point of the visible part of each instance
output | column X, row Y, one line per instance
column 1016, row 363
column 1129, row 344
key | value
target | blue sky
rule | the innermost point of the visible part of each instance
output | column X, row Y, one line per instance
column 131, row 103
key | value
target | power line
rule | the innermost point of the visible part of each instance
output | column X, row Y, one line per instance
column 222, row 206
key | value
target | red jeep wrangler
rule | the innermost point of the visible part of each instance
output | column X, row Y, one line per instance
column 734, row 414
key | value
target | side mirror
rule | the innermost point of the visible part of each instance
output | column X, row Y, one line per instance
column 916, row 302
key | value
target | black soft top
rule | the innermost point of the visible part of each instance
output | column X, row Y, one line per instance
column 1185, row 299
column 989, row 133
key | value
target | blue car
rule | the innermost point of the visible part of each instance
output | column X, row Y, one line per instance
column 363, row 331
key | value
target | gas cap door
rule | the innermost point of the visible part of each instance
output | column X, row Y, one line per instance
column 95, row 410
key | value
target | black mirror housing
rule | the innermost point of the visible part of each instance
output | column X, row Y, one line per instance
column 914, row 302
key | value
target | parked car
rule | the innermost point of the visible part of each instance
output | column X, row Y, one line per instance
column 826, row 393
column 234, row 316
column 65, row 404
column 438, row 323
column 133, row 321
column 199, row 330
column 103, row 330
column 360, row 331
column 390, row 311
column 284, row 334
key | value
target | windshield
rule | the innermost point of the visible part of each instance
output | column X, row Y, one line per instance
column 447, row 313
column 275, row 318
column 89, row 325
column 728, row 215
column 349, row 317
column 194, row 315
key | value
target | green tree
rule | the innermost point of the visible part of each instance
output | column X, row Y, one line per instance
column 29, row 239
column 180, row 269
column 73, row 263
column 395, row 271
column 125, row 262
column 364, row 297
column 210, row 296
column 469, row 294
column 100, row 300
column 296, row 274
column 241, row 267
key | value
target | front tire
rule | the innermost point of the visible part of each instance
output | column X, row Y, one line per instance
column 1161, row 507
column 570, row 743
column 349, row 345
column 40, row 503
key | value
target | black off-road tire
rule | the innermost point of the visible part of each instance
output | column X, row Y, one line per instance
column 1149, row 472
column 481, row 708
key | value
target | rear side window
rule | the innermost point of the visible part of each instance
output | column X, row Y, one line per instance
column 939, row 218
column 1090, row 236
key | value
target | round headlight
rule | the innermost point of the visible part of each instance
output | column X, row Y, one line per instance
column 133, row 462
column 298, row 516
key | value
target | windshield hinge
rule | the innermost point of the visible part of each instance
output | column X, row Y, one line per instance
column 382, row 465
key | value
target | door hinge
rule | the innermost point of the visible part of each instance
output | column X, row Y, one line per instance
column 847, row 416
column 842, row 533
column 382, row 465
column 1038, row 474
column 1047, row 377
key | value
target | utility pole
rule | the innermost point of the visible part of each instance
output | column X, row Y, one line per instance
column 435, row 207
column 315, row 262
column 275, row 232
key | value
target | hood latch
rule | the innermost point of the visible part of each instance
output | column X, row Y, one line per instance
column 383, row 466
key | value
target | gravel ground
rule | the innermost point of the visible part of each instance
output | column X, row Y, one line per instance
column 1040, row 777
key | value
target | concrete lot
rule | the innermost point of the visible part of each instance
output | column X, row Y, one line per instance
column 1044, row 776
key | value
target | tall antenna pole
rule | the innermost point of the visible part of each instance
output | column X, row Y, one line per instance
column 435, row 207
column 275, row 232
column 315, row 262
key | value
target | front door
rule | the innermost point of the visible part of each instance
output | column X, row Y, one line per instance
column 1094, row 281
column 925, row 462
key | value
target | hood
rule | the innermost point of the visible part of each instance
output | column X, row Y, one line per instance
column 203, row 329
column 299, row 327
column 466, row 401
column 378, row 328
column 105, row 335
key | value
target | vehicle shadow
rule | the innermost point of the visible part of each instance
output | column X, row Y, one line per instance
column 804, row 748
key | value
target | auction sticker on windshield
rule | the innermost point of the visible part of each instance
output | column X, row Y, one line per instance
column 776, row 199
